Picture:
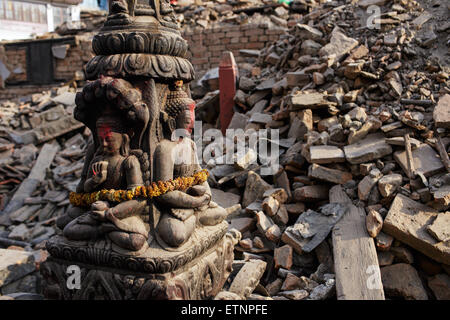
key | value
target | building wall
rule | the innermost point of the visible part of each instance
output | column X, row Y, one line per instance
column 77, row 56
column 206, row 47
column 17, row 65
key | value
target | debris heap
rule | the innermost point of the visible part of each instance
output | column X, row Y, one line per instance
column 362, row 116
column 362, row 110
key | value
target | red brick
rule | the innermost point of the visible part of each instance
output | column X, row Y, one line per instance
column 234, row 40
column 283, row 257
column 232, row 28
column 219, row 35
column 248, row 27
column 233, row 34
column 234, row 46
column 219, row 47
column 198, row 55
column 216, row 41
column 274, row 31
column 197, row 49
column 254, row 32
column 274, row 37
column 255, row 45
column 214, row 61
column 199, row 60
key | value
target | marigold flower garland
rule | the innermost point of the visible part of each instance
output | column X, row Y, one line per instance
column 154, row 190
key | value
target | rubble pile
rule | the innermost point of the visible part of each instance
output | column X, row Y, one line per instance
column 41, row 162
column 212, row 13
column 365, row 109
column 363, row 121
column 90, row 21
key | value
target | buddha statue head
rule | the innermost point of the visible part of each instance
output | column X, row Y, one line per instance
column 112, row 135
column 179, row 110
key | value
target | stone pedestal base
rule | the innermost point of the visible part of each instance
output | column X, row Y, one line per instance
column 198, row 271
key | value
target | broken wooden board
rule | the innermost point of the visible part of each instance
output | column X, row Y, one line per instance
column 356, row 266
column 407, row 221
column 36, row 175
column 48, row 131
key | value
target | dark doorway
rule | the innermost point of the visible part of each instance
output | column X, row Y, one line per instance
column 40, row 63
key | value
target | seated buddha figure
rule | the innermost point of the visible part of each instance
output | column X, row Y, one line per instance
column 182, row 210
column 112, row 167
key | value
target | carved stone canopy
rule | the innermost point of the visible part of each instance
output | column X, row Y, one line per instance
column 140, row 40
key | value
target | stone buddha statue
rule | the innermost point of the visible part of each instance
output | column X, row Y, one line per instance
column 176, row 156
column 112, row 167
column 108, row 106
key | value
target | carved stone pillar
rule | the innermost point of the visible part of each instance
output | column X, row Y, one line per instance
column 141, row 225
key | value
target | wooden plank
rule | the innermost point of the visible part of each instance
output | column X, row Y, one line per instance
column 409, row 158
column 440, row 146
column 358, row 275
column 36, row 175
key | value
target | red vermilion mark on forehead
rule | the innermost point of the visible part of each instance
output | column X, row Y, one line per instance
column 104, row 131
column 191, row 110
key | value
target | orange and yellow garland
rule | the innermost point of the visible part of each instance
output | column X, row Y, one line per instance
column 153, row 190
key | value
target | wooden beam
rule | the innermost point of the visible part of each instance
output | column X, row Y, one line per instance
column 36, row 175
column 356, row 266
column 440, row 146
column 409, row 158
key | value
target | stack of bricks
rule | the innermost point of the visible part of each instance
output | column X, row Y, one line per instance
column 16, row 62
column 206, row 45
column 77, row 56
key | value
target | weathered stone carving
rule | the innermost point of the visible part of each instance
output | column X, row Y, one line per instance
column 201, row 278
column 143, row 206
column 143, row 65
column 139, row 42
column 176, row 159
